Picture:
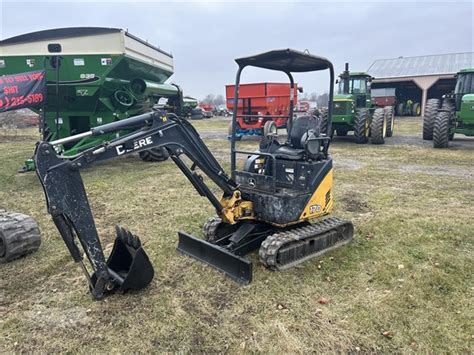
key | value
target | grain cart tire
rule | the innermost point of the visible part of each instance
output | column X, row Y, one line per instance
column 154, row 155
column 19, row 236
column 378, row 127
column 441, row 130
column 361, row 126
column 431, row 109
column 269, row 128
column 400, row 109
column 389, row 113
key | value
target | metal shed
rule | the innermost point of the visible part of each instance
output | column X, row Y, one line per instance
column 422, row 76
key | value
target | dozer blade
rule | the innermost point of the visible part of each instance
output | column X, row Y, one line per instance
column 128, row 264
column 237, row 268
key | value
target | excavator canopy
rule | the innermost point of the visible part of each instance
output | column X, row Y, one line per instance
column 286, row 60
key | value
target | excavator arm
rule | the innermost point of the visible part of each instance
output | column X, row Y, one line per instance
column 128, row 266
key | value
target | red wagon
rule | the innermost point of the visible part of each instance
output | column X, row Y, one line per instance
column 262, row 107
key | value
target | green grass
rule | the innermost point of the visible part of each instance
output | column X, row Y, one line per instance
column 408, row 271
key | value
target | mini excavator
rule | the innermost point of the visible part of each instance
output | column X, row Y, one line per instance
column 275, row 203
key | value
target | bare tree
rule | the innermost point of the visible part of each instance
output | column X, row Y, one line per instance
column 218, row 100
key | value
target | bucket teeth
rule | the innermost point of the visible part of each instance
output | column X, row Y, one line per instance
column 127, row 237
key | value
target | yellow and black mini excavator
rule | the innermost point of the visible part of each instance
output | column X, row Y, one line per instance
column 275, row 202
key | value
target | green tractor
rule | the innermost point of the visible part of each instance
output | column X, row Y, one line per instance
column 94, row 76
column 354, row 111
column 454, row 114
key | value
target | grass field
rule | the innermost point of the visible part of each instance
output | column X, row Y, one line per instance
column 404, row 285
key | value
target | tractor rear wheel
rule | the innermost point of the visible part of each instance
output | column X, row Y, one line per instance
column 389, row 113
column 441, row 130
column 401, row 109
column 270, row 128
column 361, row 126
column 416, row 111
column 19, row 236
column 431, row 109
column 378, row 127
column 154, row 155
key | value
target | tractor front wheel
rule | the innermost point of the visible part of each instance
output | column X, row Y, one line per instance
column 441, row 130
column 431, row 109
column 341, row 132
column 19, row 236
column 378, row 127
column 154, row 155
column 361, row 126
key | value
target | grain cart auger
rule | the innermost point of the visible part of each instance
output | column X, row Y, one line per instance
column 270, row 204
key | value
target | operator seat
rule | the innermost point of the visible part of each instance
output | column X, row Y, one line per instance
column 294, row 147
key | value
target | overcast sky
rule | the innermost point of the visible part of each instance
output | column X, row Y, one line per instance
column 206, row 36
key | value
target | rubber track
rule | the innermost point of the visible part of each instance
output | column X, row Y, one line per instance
column 210, row 228
column 273, row 244
column 20, row 235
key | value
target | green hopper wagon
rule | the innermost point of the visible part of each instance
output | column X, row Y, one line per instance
column 94, row 76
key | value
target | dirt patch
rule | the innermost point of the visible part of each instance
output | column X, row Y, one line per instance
column 354, row 203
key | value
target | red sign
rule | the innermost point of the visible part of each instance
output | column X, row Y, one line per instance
column 22, row 90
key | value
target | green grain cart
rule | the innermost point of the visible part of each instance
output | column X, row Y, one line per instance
column 94, row 76
column 354, row 111
column 455, row 114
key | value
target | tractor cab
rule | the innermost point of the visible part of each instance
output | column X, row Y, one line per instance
column 464, row 86
column 355, row 86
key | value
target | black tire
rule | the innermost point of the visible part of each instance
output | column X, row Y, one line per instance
column 154, row 155
column 323, row 114
column 270, row 128
column 416, row 110
column 378, row 127
column 431, row 109
column 441, row 130
column 361, row 126
column 341, row 132
column 400, row 109
column 389, row 113
column 19, row 236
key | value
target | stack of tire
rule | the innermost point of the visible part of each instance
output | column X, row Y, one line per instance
column 197, row 113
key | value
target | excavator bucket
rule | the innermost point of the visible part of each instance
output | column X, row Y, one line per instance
column 128, row 264
column 237, row 268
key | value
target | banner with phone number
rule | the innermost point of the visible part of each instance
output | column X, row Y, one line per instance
column 22, row 90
